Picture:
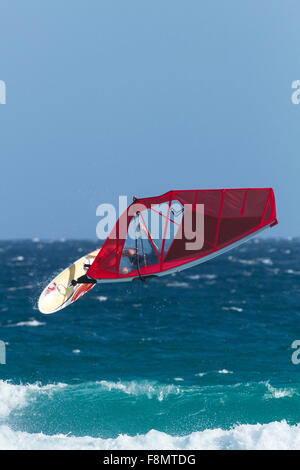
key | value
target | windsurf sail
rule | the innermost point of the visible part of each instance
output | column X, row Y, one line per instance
column 180, row 229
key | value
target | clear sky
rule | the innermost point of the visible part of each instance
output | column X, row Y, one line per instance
column 115, row 97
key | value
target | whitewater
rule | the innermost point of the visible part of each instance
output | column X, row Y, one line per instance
column 14, row 398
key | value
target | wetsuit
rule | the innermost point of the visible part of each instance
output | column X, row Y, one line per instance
column 85, row 279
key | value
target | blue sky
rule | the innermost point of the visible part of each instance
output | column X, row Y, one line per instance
column 106, row 98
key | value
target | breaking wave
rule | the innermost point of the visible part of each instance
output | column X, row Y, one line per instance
column 14, row 397
column 17, row 398
column 275, row 435
column 149, row 389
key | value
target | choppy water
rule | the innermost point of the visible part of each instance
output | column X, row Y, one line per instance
column 200, row 359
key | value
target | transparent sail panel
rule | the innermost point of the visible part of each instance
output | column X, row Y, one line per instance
column 174, row 225
column 139, row 250
column 165, row 222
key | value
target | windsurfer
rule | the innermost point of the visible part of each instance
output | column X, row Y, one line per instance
column 134, row 258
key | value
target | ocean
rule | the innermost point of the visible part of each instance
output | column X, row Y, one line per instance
column 197, row 360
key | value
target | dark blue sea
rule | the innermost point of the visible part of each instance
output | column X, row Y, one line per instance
column 197, row 360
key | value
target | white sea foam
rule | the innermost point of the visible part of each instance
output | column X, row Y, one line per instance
column 237, row 309
column 18, row 258
column 31, row 322
column 292, row 271
column 177, row 284
column 195, row 277
column 225, row 371
column 14, row 397
column 275, row 435
column 251, row 262
column 278, row 392
column 29, row 286
column 274, row 271
column 150, row 389
column 267, row 261
column 101, row 298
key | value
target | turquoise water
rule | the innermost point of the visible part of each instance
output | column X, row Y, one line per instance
column 200, row 359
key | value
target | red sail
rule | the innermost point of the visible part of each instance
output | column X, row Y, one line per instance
column 229, row 216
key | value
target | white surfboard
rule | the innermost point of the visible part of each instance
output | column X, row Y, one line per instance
column 60, row 293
